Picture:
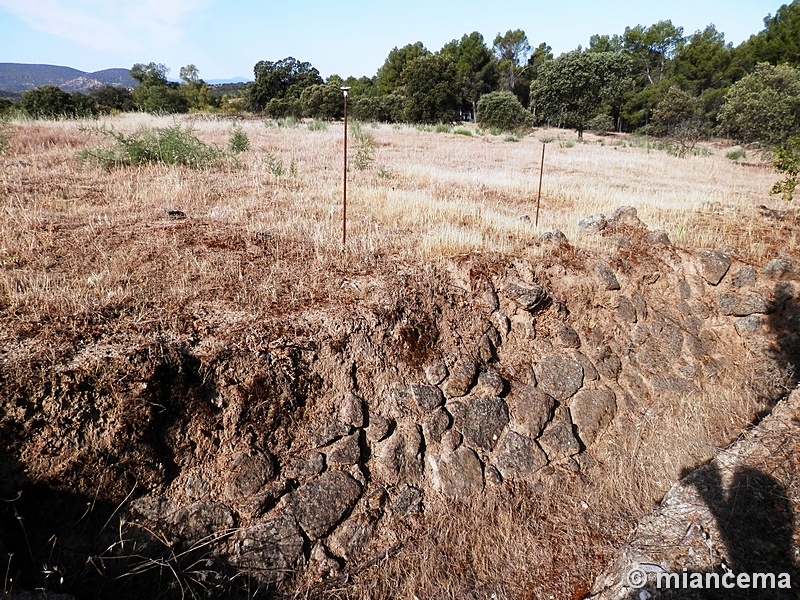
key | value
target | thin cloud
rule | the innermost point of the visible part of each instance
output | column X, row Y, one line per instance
column 121, row 26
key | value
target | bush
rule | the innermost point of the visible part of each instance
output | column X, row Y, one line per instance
column 48, row 102
column 735, row 154
column 502, row 110
column 601, row 124
column 172, row 145
column 787, row 160
column 239, row 141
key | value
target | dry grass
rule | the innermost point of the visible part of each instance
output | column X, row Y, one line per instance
column 75, row 237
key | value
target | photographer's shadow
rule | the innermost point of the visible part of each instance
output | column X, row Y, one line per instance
column 755, row 521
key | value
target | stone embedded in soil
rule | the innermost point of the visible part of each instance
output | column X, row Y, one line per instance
column 518, row 456
column 592, row 411
column 530, row 409
column 436, row 373
column 490, row 383
column 566, row 336
column 529, row 299
column 593, row 224
column 273, row 548
column 559, row 376
column 399, row 458
column 203, row 519
column 480, row 420
column 351, row 537
column 321, row 504
column 777, row 267
column 555, row 237
column 378, row 428
column 712, row 264
column 657, row 237
column 303, row 468
column 436, row 423
column 346, row 451
column 748, row 325
column 427, row 397
column 458, row 474
column 558, row 440
column 247, row 474
column 745, row 276
column 461, row 379
column 196, row 488
column 607, row 276
column 626, row 215
column 408, row 500
column 351, row 412
column 736, row 305
column 329, row 430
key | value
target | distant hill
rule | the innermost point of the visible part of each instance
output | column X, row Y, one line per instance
column 16, row 78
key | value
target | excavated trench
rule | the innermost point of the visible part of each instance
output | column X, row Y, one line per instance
column 489, row 428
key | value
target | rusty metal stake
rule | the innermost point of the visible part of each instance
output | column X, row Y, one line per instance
column 539, row 195
column 344, row 187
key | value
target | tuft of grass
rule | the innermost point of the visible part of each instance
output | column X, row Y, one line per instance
column 172, row 145
column 736, row 154
column 443, row 128
column 5, row 133
column 364, row 146
column 547, row 139
column 511, row 138
column 317, row 125
column 462, row 131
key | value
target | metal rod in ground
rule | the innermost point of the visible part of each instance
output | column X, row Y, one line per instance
column 539, row 195
column 344, row 186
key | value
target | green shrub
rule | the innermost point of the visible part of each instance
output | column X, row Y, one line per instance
column 364, row 146
column 502, row 110
column 172, row 145
column 462, row 131
column 443, row 128
column 787, row 160
column 317, row 125
column 511, row 138
column 735, row 154
column 601, row 124
column 239, row 142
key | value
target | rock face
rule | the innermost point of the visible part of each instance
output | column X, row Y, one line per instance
column 321, row 504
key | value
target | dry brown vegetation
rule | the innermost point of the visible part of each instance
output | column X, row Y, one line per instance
column 83, row 250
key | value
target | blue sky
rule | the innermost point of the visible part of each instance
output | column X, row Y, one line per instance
column 224, row 39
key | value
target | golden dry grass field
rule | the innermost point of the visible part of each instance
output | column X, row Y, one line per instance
column 267, row 232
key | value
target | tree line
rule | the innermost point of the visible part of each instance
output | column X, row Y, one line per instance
column 649, row 79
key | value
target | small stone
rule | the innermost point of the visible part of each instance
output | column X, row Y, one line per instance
column 657, row 237
column 436, row 373
column 777, row 267
column 492, row 476
column 347, row 451
column 378, row 428
column 435, row 425
column 566, row 336
column 203, row 519
column 592, row 411
column 461, row 379
column 196, row 488
column 518, row 456
column 274, row 547
column 458, row 474
column 626, row 309
column 480, row 420
column 743, row 306
column 490, row 383
column 530, row 299
column 408, row 501
column 558, row 440
column 427, row 397
column 555, row 237
column 607, row 276
column 592, row 224
column 305, row 468
column 451, row 440
column 399, row 458
column 501, row 322
column 589, row 370
column 713, row 265
column 745, row 276
column 319, row 563
column 351, row 537
column 626, row 215
column 321, row 504
column 748, row 325
column 530, row 409
column 329, row 430
column 352, row 411
column 247, row 474
column 558, row 376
